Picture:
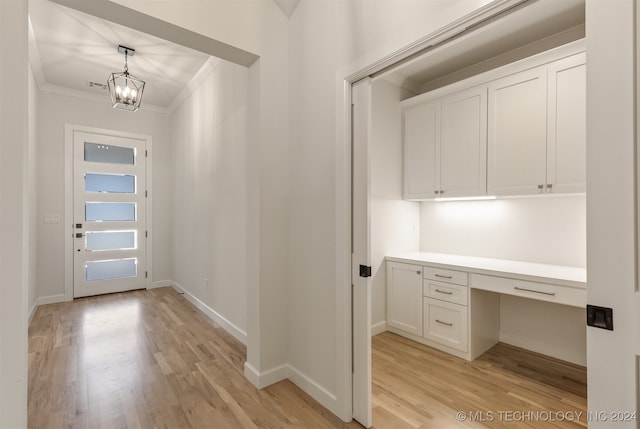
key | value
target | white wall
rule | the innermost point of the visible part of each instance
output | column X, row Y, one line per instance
column 546, row 230
column 209, row 162
column 14, row 209
column 54, row 111
column 395, row 224
column 551, row 329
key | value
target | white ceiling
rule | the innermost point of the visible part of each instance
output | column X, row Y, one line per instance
column 287, row 6
column 527, row 25
column 74, row 48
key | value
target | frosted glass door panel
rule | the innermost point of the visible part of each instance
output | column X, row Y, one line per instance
column 94, row 152
column 108, row 212
column 111, row 269
column 110, row 183
column 110, row 240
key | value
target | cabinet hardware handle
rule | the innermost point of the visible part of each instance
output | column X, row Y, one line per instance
column 443, row 277
column 444, row 291
column 436, row 192
column 534, row 291
column 550, row 185
column 418, row 272
column 540, row 187
column 444, row 323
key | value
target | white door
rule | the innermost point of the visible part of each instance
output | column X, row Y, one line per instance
column 110, row 213
column 361, row 284
column 613, row 356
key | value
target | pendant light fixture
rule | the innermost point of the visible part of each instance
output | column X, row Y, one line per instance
column 125, row 89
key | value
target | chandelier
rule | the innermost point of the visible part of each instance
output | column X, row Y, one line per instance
column 125, row 89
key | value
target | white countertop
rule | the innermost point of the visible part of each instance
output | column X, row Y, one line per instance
column 556, row 274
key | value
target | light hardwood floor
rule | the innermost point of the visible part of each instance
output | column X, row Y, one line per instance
column 149, row 359
column 415, row 386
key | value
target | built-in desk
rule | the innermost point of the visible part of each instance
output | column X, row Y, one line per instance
column 452, row 302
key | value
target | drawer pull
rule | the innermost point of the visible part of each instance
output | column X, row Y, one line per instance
column 444, row 291
column 444, row 323
column 418, row 272
column 534, row 291
column 443, row 277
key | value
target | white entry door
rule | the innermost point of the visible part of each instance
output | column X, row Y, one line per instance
column 110, row 214
column 361, row 259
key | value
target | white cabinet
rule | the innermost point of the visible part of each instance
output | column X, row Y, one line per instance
column 459, row 309
column 566, row 125
column 421, row 149
column 445, row 146
column 463, row 144
column 537, row 130
column 404, row 297
column 517, row 133
column 516, row 130
column 445, row 307
column 446, row 323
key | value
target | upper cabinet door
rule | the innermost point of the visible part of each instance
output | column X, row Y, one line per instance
column 422, row 140
column 566, row 127
column 463, row 145
column 517, row 117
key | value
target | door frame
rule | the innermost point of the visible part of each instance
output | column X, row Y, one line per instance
column 343, row 170
column 69, row 131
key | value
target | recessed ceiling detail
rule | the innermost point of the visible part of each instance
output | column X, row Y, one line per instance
column 75, row 48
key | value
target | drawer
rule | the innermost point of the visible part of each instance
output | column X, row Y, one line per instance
column 445, row 291
column 448, row 276
column 446, row 323
column 566, row 295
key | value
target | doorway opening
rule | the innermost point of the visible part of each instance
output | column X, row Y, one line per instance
column 200, row 103
column 397, row 225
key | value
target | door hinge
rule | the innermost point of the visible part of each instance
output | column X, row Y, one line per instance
column 365, row 271
column 146, row 153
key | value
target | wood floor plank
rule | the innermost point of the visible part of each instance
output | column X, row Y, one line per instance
column 150, row 359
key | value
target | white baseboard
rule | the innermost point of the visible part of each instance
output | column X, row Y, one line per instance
column 32, row 312
column 238, row 333
column 283, row 372
column 378, row 328
column 160, row 283
column 313, row 388
column 52, row 299
column 564, row 353
column 267, row 378
column 43, row 300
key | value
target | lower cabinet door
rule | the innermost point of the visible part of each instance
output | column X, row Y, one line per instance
column 404, row 297
column 446, row 323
